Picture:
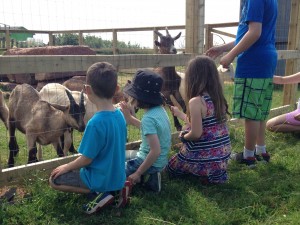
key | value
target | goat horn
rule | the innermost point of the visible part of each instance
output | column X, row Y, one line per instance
column 72, row 101
column 167, row 31
column 158, row 33
column 81, row 104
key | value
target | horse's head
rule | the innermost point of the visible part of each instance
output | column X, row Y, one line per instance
column 166, row 44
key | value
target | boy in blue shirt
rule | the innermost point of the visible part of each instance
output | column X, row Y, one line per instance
column 253, row 84
column 100, row 168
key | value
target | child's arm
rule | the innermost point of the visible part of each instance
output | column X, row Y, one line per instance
column 247, row 41
column 291, row 79
column 216, row 51
column 181, row 115
column 150, row 159
column 128, row 116
column 196, row 106
column 80, row 162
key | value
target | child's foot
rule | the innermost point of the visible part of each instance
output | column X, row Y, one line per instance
column 153, row 181
column 124, row 195
column 249, row 161
column 264, row 157
column 102, row 200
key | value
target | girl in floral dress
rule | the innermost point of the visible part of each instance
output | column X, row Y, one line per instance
column 206, row 144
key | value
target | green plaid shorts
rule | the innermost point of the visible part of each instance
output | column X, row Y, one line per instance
column 252, row 98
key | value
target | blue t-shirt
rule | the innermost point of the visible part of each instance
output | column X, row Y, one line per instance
column 104, row 142
column 259, row 61
column 156, row 121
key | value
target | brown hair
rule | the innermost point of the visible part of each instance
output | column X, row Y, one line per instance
column 202, row 76
column 102, row 77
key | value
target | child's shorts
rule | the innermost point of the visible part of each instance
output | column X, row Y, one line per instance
column 71, row 178
column 133, row 164
column 290, row 117
column 252, row 98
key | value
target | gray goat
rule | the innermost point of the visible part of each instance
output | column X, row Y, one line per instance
column 40, row 121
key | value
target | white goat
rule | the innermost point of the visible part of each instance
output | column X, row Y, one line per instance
column 40, row 121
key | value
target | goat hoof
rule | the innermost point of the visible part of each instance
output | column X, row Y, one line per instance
column 32, row 160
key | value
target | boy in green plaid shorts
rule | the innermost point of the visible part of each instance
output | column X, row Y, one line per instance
column 256, row 55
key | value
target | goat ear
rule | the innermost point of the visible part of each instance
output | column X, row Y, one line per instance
column 60, row 107
column 177, row 36
column 157, row 43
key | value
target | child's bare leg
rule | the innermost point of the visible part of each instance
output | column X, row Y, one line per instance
column 261, row 133
column 251, row 133
column 279, row 124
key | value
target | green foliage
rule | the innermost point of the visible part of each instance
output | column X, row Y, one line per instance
column 93, row 42
column 66, row 39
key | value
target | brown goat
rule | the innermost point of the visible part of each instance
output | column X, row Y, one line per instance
column 40, row 121
column 171, row 79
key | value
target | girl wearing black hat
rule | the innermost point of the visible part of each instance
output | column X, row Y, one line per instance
column 152, row 157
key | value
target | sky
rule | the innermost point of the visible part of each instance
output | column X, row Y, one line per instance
column 98, row 14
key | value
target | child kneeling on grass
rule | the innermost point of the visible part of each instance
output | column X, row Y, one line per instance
column 147, row 163
column 100, row 169
column 206, row 144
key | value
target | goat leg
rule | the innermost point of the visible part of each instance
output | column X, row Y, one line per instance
column 58, row 149
column 32, row 155
column 177, row 123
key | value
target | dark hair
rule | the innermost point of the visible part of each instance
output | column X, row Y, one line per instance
column 102, row 77
column 202, row 76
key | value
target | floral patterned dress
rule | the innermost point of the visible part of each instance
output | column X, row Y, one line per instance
column 207, row 157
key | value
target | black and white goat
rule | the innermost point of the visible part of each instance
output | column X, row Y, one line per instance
column 40, row 121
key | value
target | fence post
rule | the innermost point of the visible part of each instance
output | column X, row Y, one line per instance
column 80, row 38
column 115, row 42
column 292, row 65
column 194, row 27
column 155, row 38
column 51, row 39
column 7, row 38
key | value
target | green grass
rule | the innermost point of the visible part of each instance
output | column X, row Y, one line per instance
column 266, row 195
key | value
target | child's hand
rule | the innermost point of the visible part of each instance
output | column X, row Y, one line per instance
column 135, row 178
column 214, row 52
column 59, row 171
column 226, row 60
column 125, row 110
column 297, row 117
column 175, row 110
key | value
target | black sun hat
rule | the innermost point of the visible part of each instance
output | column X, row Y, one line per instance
column 145, row 86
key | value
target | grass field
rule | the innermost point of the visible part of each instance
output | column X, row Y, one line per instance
column 267, row 195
